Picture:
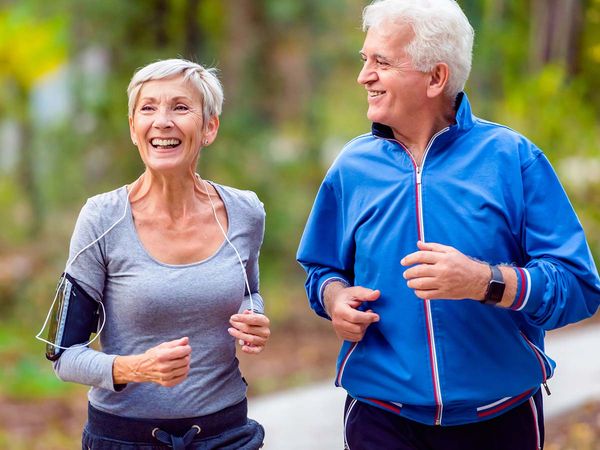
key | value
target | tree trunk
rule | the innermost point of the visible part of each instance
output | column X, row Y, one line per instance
column 194, row 33
column 556, row 33
column 26, row 173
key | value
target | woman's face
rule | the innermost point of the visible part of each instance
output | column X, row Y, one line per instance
column 167, row 125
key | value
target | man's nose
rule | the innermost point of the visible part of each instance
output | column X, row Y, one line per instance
column 366, row 74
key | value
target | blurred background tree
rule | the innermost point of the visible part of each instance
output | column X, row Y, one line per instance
column 289, row 72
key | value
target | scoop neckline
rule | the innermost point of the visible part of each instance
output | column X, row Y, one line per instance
column 133, row 228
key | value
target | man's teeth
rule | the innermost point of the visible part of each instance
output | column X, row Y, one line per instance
column 165, row 142
column 376, row 93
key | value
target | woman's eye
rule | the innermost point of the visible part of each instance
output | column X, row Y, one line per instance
column 146, row 108
column 181, row 108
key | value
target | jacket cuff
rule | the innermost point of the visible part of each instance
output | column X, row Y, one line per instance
column 530, row 290
column 326, row 282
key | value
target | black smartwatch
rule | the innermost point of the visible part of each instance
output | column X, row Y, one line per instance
column 495, row 289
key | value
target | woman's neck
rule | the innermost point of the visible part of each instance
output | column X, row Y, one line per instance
column 171, row 197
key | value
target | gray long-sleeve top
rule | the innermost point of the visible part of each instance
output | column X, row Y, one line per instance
column 148, row 302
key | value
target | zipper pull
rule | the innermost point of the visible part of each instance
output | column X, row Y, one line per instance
column 418, row 174
column 546, row 388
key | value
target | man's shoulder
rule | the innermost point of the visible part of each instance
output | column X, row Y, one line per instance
column 499, row 130
column 504, row 138
column 362, row 144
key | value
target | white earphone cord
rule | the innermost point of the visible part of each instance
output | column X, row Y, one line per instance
column 212, row 205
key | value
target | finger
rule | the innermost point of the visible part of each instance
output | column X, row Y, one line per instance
column 435, row 247
column 360, row 317
column 419, row 271
column 169, row 354
column 247, row 337
column 169, row 374
column 420, row 257
column 363, row 293
column 430, row 294
column 254, row 319
column 351, row 337
column 252, row 349
column 174, row 343
column 260, row 330
column 423, row 283
column 173, row 381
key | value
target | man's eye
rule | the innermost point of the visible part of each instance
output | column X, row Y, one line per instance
column 382, row 63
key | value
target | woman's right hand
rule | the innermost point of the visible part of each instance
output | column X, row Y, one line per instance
column 167, row 364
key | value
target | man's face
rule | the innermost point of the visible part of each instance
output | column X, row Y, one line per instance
column 395, row 89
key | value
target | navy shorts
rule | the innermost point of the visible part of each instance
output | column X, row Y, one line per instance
column 367, row 427
column 228, row 429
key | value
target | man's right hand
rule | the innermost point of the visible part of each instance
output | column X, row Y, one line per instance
column 341, row 304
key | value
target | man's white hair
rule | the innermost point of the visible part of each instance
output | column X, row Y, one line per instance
column 443, row 34
column 204, row 80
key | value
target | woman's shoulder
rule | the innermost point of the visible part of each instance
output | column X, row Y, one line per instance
column 240, row 198
column 105, row 205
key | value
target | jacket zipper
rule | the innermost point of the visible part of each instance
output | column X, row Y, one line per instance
column 428, row 316
column 541, row 357
column 421, row 236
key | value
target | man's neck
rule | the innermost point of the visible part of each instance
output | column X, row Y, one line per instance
column 417, row 139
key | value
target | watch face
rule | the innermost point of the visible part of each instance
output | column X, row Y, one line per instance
column 496, row 291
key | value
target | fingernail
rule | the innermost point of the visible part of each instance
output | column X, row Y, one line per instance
column 241, row 342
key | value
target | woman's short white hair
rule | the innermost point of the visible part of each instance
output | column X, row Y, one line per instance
column 204, row 80
column 442, row 34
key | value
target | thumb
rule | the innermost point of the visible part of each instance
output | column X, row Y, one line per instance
column 424, row 245
column 365, row 294
column 434, row 247
column 176, row 342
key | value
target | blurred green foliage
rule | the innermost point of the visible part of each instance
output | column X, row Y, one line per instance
column 289, row 72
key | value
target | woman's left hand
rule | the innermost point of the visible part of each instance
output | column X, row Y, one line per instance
column 251, row 330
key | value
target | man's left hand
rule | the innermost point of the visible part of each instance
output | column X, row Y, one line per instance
column 442, row 272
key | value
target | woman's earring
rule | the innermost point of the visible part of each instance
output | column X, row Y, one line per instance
column 205, row 142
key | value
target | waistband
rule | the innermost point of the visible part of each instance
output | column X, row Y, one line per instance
column 141, row 430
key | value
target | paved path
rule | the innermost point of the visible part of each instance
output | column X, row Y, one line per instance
column 310, row 418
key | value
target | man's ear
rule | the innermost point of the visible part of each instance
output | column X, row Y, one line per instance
column 438, row 80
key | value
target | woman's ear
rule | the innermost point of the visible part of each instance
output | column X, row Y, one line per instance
column 438, row 80
column 210, row 131
column 132, row 132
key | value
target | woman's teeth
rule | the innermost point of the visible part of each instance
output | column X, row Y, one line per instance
column 165, row 143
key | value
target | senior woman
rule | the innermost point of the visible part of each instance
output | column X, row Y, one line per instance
column 174, row 260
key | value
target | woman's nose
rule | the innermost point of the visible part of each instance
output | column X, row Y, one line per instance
column 162, row 119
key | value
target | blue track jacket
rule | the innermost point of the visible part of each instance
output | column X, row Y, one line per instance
column 490, row 193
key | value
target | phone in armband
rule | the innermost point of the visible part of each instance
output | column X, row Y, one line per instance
column 73, row 319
